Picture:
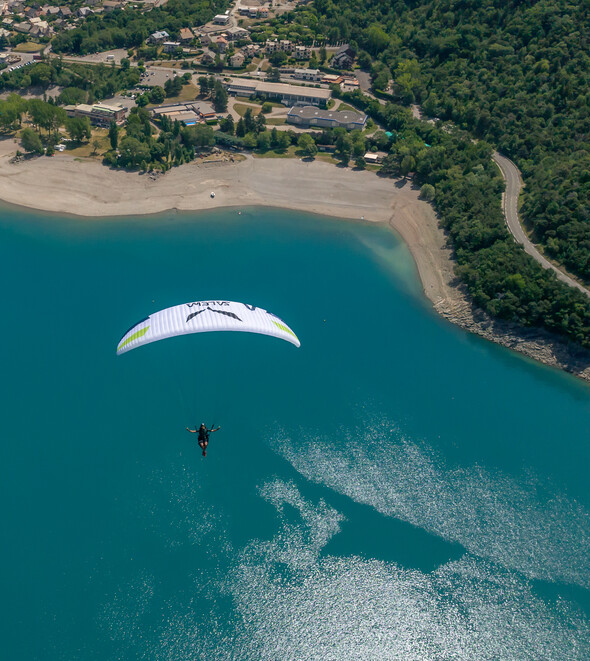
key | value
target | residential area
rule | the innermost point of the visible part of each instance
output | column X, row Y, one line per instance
column 235, row 79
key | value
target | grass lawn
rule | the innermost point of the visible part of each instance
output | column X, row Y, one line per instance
column 288, row 153
column 276, row 121
column 240, row 108
column 188, row 92
column 345, row 106
column 325, row 158
column 86, row 149
column 246, row 99
column 28, row 47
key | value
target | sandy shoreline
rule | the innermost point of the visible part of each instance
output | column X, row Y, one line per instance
column 86, row 188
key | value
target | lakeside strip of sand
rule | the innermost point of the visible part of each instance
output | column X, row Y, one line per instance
column 87, row 188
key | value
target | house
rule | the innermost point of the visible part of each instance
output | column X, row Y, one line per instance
column 208, row 58
column 51, row 11
column 23, row 28
column 285, row 45
column 237, row 59
column 110, row 5
column 185, row 35
column 271, row 46
column 302, row 52
column 343, row 57
column 206, row 40
column 251, row 50
column 233, row 34
column 84, row 12
column 308, row 74
column 308, row 116
column 171, row 46
column 221, row 44
column 221, row 19
column 65, row 12
column 257, row 12
column 158, row 37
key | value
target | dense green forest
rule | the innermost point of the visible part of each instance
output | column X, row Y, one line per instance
column 500, row 276
column 513, row 72
column 129, row 27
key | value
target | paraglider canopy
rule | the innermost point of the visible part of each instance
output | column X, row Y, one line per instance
column 203, row 317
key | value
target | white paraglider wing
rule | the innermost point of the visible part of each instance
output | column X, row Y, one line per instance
column 203, row 317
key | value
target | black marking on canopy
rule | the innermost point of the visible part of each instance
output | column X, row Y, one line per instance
column 194, row 314
column 227, row 314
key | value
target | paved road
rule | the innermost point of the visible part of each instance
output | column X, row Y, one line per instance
column 511, row 175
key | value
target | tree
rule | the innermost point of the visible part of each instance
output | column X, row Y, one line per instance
column 274, row 138
column 359, row 147
column 278, row 58
column 263, row 141
column 113, row 135
column 323, row 54
column 307, row 145
column 427, row 192
column 227, row 125
column 31, row 142
column 250, row 140
column 78, row 128
column 219, row 97
column 203, row 85
column 266, row 107
column 360, row 162
column 95, row 145
column 408, row 164
column 249, row 121
column 283, row 140
column 260, row 122
column 199, row 136
column 240, row 128
column 173, row 86
column 274, row 75
column 157, row 94
column 133, row 152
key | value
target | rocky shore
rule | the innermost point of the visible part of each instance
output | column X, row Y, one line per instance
column 531, row 342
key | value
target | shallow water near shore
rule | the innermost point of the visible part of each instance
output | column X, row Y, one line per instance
column 394, row 489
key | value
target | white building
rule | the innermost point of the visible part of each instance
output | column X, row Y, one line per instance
column 221, row 19
column 308, row 74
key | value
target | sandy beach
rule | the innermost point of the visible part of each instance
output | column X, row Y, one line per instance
column 86, row 188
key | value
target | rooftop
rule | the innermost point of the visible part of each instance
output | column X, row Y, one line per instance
column 341, row 116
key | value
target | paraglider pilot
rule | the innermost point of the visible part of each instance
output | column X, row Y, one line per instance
column 203, row 436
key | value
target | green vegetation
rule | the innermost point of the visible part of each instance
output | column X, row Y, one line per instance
column 129, row 28
column 141, row 148
column 82, row 82
column 514, row 73
column 499, row 275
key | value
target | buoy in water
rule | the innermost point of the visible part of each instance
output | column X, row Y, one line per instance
column 212, row 194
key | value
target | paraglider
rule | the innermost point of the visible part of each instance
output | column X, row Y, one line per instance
column 203, row 317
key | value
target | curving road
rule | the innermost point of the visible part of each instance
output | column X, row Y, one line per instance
column 511, row 176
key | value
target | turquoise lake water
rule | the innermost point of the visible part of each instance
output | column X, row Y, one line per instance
column 394, row 489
